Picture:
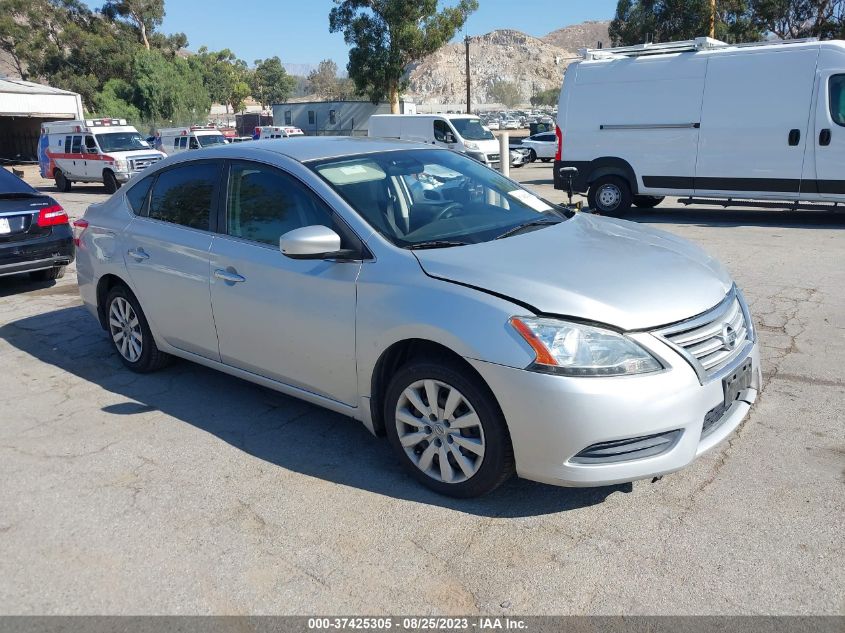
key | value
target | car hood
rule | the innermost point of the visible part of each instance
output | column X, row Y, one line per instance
column 600, row 269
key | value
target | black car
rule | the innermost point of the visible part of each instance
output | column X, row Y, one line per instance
column 35, row 236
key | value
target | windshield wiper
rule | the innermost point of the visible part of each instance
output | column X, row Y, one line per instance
column 527, row 225
column 436, row 244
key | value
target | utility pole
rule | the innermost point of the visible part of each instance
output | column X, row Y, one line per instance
column 713, row 18
column 469, row 95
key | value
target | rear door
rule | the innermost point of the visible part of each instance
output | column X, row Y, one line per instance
column 824, row 171
column 167, row 255
column 755, row 122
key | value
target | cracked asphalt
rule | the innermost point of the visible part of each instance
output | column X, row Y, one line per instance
column 191, row 492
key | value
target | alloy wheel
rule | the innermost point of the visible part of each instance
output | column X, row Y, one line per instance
column 440, row 431
column 125, row 330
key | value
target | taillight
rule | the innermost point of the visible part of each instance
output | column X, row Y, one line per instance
column 51, row 216
column 78, row 227
column 559, row 134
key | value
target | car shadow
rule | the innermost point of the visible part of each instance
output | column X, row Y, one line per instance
column 730, row 217
column 268, row 425
column 24, row 284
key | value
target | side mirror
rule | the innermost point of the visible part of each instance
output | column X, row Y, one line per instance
column 312, row 242
column 450, row 138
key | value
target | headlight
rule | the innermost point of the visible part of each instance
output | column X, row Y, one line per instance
column 472, row 146
column 121, row 165
column 573, row 349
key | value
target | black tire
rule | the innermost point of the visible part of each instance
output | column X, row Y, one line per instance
column 532, row 155
column 647, row 202
column 616, row 189
column 110, row 181
column 62, row 183
column 497, row 464
column 545, row 160
column 151, row 358
column 50, row 274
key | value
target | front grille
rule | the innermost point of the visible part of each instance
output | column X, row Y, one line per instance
column 628, row 449
column 493, row 158
column 142, row 162
column 712, row 340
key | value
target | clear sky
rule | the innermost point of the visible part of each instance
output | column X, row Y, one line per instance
column 298, row 30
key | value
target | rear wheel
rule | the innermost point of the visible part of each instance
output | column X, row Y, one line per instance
column 62, row 183
column 647, row 202
column 110, row 181
column 610, row 194
column 50, row 274
column 130, row 334
column 447, row 430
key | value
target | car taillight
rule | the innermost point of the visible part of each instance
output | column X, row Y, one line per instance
column 51, row 216
column 78, row 227
column 559, row 134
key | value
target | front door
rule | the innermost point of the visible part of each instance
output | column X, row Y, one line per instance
column 289, row 320
column 167, row 255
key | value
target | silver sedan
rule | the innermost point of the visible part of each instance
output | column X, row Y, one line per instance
column 484, row 330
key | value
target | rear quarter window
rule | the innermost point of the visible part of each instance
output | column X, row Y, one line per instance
column 137, row 195
column 837, row 99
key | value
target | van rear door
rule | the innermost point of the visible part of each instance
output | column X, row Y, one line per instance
column 755, row 123
column 824, row 168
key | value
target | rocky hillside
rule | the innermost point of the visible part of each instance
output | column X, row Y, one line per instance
column 502, row 55
column 584, row 35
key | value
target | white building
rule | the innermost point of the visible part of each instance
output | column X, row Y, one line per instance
column 24, row 106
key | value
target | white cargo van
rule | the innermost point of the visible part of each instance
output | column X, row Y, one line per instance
column 276, row 131
column 94, row 150
column 705, row 120
column 180, row 139
column 460, row 132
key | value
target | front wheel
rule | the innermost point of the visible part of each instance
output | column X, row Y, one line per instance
column 610, row 194
column 532, row 156
column 110, row 181
column 447, row 429
column 130, row 334
column 62, row 183
column 647, row 202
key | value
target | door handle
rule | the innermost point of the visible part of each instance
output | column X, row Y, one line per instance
column 824, row 137
column 228, row 276
column 138, row 254
column 794, row 137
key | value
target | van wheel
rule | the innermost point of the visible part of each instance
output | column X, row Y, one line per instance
column 647, row 202
column 110, row 181
column 610, row 194
column 62, row 183
column 447, row 429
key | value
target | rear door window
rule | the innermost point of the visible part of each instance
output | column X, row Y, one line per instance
column 76, row 146
column 68, row 141
column 184, row 195
column 837, row 99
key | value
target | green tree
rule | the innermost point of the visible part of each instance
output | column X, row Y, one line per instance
column 639, row 21
column 388, row 35
column 789, row 19
column 270, row 82
column 323, row 80
column 146, row 15
column 546, row 97
column 116, row 100
column 507, row 93
column 225, row 77
column 168, row 90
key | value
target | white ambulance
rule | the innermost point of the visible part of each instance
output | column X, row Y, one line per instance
column 93, row 150
column 276, row 131
column 180, row 139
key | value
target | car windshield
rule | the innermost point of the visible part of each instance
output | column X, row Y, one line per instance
column 121, row 141
column 207, row 140
column 435, row 198
column 471, row 129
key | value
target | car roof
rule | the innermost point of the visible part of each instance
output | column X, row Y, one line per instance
column 308, row 148
column 9, row 183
